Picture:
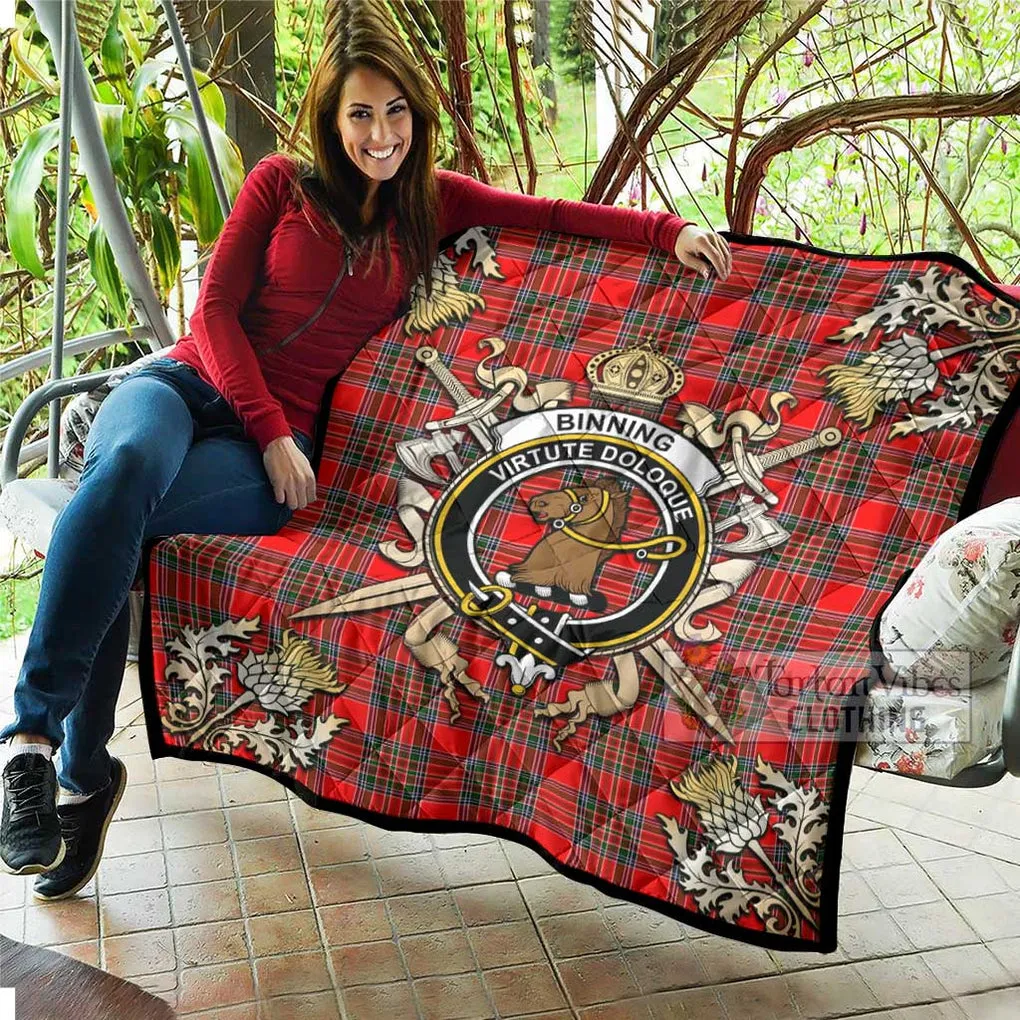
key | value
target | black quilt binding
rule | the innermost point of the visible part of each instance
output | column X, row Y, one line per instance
column 853, row 708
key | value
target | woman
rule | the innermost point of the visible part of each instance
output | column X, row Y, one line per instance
column 215, row 437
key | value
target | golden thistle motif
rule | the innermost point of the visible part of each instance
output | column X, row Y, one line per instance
column 731, row 818
column 281, row 679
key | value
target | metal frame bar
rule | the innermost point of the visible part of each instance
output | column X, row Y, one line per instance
column 67, row 31
column 55, row 389
column 94, row 160
column 80, row 345
column 188, row 73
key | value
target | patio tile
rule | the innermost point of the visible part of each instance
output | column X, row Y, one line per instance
column 222, row 984
column 135, row 911
column 874, row 848
column 1007, row 952
column 290, row 932
column 85, row 952
column 960, row 877
column 528, row 988
column 660, row 968
column 215, row 942
column 901, row 980
column 576, row 934
column 442, row 952
column 259, row 821
column 886, row 812
column 457, row 997
column 344, row 883
column 194, row 828
column 346, row 923
column 830, row 992
column 205, row 901
column 512, row 942
column 901, row 885
column 199, row 864
column 309, row 818
column 324, row 847
column 525, row 862
column 726, row 960
column 409, row 873
column 445, row 840
column 930, row 1011
column 139, row 768
column 150, row 952
column 13, row 890
column 871, row 935
column 178, row 795
column 997, row 1005
column 550, row 895
column 74, row 920
column 169, row 769
column 391, row 842
column 924, row 849
column 269, row 894
column 132, row 836
column 247, row 787
column 138, row 802
column 755, row 1000
column 371, row 963
column 592, row 979
column 690, row 1004
column 855, row 895
column 638, row 926
column 933, row 925
column 422, row 912
column 292, row 974
column 241, row 1011
column 488, row 904
column 317, row 1006
column 380, row 1002
column 992, row 917
column 964, row 970
column 12, row 924
column 473, row 865
column 132, row 873
column 271, row 854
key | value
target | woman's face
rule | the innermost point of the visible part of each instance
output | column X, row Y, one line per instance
column 374, row 121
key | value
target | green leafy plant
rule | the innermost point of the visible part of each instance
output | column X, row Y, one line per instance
column 155, row 149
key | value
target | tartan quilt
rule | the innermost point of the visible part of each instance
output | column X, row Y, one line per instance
column 596, row 555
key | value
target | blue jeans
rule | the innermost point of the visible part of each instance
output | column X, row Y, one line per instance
column 165, row 455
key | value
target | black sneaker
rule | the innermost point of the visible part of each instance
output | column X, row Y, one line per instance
column 30, row 840
column 83, row 826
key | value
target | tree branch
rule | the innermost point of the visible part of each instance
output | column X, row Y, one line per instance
column 852, row 115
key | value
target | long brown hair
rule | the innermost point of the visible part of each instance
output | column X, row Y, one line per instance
column 361, row 33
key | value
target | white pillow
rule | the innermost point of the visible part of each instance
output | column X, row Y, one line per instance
column 952, row 625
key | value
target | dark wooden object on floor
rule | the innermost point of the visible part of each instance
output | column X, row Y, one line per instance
column 51, row 986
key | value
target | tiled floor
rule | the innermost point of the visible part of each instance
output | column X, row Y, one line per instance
column 230, row 898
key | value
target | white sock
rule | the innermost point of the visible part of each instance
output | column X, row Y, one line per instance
column 66, row 797
column 11, row 749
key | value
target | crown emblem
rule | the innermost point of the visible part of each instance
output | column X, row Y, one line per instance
column 638, row 374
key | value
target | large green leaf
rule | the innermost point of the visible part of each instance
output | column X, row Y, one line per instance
column 145, row 76
column 205, row 209
column 19, row 197
column 111, row 51
column 111, row 121
column 166, row 247
column 105, row 271
column 212, row 98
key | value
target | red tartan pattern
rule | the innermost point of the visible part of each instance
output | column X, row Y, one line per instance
column 859, row 516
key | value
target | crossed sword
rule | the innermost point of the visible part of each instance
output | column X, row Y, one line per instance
column 477, row 414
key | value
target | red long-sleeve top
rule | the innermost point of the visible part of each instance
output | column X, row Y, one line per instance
column 277, row 259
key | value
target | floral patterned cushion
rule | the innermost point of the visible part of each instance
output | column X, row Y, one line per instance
column 919, row 732
column 953, row 624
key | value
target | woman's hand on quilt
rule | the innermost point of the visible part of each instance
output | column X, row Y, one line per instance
column 290, row 473
column 704, row 251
